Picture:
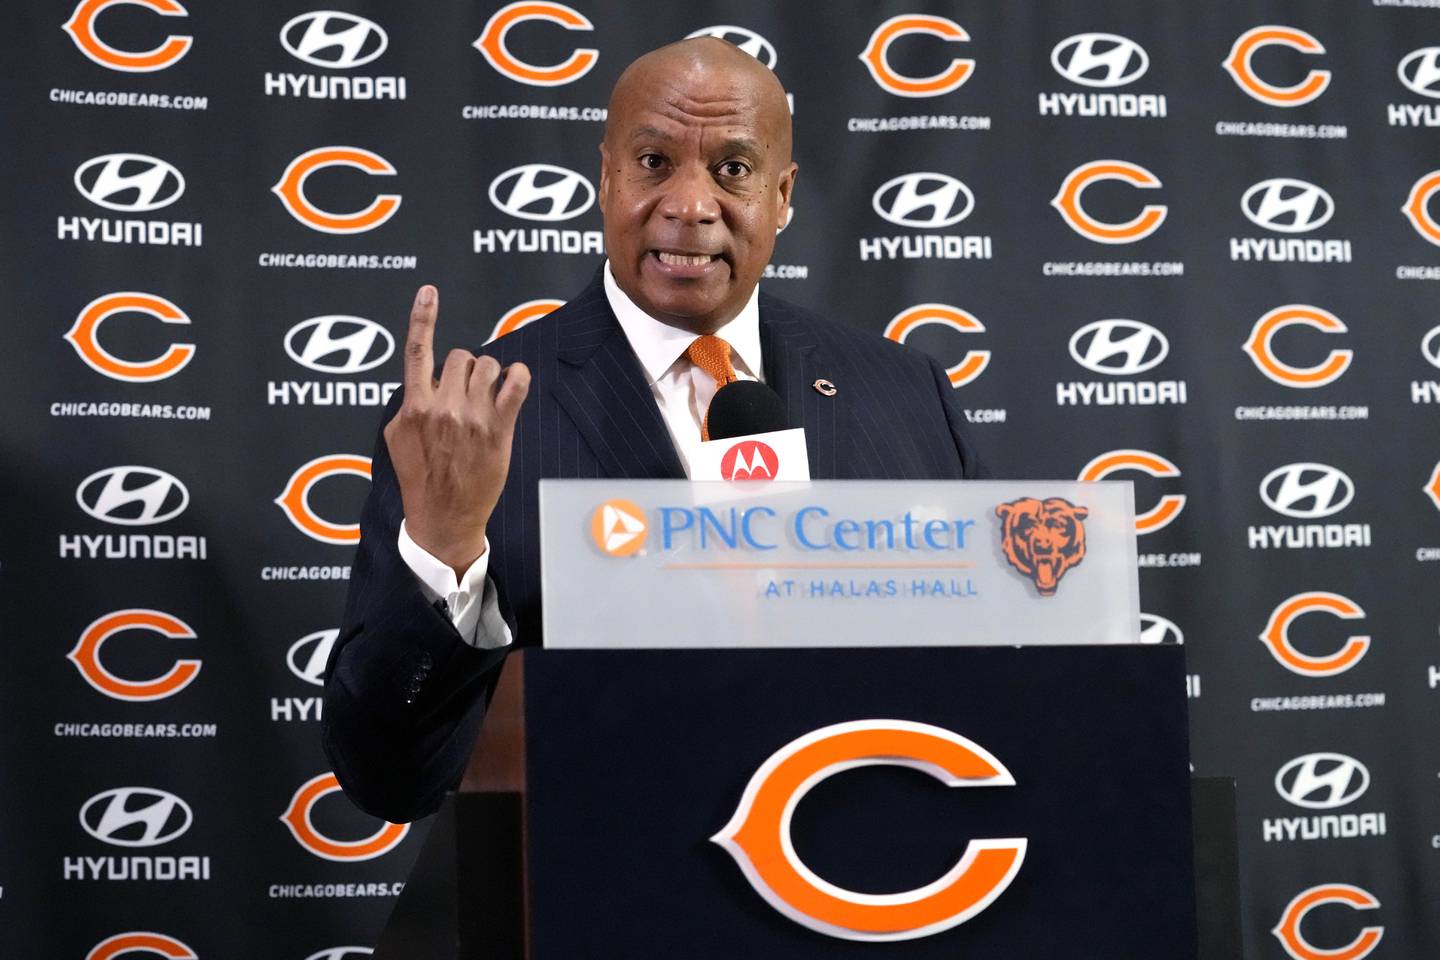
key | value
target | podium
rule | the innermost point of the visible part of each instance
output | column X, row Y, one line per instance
column 585, row 829
column 1030, row 798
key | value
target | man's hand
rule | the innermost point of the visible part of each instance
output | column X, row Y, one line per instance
column 450, row 441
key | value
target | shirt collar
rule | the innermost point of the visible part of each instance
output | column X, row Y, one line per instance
column 659, row 345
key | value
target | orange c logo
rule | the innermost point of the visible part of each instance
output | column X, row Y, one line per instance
column 297, row 818
column 86, row 655
column 1417, row 207
column 758, row 835
column 1287, row 931
column 291, row 190
column 1263, row 356
column 1155, row 465
column 84, row 337
column 140, row 942
column 874, row 56
column 294, row 500
column 81, row 27
column 1238, row 66
column 491, row 43
column 974, row 362
column 1432, row 486
column 1277, row 634
column 1067, row 201
column 521, row 314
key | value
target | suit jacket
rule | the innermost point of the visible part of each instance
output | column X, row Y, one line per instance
column 405, row 696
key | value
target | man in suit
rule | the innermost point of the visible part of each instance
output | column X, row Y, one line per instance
column 695, row 182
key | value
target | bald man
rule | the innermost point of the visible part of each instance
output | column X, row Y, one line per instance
column 695, row 181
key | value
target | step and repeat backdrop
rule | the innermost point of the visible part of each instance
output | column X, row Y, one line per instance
column 1194, row 246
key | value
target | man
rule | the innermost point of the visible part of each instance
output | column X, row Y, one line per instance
column 695, row 182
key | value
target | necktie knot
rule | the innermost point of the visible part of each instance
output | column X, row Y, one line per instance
column 712, row 354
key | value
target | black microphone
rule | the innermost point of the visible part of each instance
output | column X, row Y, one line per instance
column 744, row 407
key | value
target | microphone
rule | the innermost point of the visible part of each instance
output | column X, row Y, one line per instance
column 750, row 438
column 745, row 407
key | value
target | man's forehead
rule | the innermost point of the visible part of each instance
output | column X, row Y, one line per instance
column 696, row 83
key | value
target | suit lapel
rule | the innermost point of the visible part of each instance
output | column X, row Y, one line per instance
column 601, row 386
column 794, row 360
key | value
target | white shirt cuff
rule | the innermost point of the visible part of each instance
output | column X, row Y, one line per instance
column 473, row 600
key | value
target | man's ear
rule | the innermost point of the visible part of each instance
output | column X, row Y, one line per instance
column 604, row 177
column 785, row 188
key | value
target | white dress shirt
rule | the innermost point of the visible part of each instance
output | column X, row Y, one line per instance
column 683, row 393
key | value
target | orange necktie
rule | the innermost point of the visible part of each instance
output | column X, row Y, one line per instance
column 711, row 354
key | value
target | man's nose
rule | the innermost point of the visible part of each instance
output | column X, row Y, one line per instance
column 690, row 197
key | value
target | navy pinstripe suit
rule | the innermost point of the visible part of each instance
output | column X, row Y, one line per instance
column 404, row 695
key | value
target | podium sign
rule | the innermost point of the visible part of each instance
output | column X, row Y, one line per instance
column 670, row 563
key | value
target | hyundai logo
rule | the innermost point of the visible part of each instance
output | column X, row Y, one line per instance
column 1306, row 491
column 1099, row 59
column 1420, row 71
column 1286, row 205
column 1430, row 346
column 135, row 817
column 1156, row 629
column 129, row 182
column 1118, row 347
column 1321, row 781
column 308, row 655
column 132, row 496
column 339, row 344
column 329, row 38
column 924, row 200
column 747, row 40
column 542, row 191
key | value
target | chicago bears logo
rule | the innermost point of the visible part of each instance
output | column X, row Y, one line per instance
column 491, row 43
column 876, row 56
column 81, row 28
column 1043, row 538
column 758, row 834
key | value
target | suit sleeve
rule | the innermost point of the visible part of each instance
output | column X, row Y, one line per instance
column 971, row 466
column 404, row 694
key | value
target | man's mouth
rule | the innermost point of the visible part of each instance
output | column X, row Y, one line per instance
column 685, row 259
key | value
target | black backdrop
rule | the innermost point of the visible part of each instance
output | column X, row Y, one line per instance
column 144, row 456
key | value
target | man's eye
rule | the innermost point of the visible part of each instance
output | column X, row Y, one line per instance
column 652, row 161
column 734, row 168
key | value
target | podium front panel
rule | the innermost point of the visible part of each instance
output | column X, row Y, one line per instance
column 636, row 759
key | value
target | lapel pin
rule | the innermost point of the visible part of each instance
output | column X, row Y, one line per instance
column 824, row 387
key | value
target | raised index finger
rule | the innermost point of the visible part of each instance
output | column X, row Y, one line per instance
column 419, row 356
